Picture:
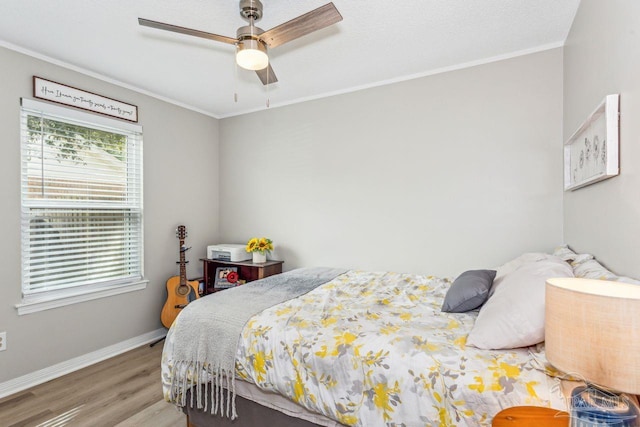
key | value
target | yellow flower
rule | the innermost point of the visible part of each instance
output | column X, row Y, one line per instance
column 478, row 386
column 251, row 245
column 260, row 360
column 262, row 245
column 382, row 397
column 531, row 388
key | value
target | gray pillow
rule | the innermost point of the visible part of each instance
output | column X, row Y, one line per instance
column 469, row 291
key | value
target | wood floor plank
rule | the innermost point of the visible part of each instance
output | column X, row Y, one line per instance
column 15, row 399
column 34, row 419
column 160, row 414
column 125, row 390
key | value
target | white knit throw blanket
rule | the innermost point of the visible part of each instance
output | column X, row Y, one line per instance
column 205, row 336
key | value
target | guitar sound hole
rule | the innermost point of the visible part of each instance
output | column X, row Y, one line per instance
column 183, row 290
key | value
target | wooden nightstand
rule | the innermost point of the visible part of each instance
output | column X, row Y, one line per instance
column 530, row 416
column 247, row 270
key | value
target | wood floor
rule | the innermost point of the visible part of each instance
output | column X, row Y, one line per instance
column 124, row 391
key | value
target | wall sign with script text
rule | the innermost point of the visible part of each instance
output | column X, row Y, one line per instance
column 67, row 95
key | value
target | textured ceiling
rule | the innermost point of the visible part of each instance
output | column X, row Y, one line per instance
column 379, row 41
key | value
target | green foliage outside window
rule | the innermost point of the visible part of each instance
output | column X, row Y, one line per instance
column 69, row 139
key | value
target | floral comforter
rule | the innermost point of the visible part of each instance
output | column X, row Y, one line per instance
column 374, row 349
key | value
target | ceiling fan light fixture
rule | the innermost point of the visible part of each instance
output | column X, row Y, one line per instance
column 252, row 55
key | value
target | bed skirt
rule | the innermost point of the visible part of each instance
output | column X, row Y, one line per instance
column 252, row 414
column 257, row 408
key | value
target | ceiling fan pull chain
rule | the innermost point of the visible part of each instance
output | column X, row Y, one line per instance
column 268, row 86
column 235, row 80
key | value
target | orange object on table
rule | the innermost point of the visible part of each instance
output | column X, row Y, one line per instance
column 531, row 416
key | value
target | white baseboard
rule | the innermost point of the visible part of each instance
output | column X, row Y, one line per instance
column 43, row 375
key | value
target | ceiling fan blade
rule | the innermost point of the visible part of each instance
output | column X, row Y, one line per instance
column 312, row 21
column 187, row 31
column 267, row 76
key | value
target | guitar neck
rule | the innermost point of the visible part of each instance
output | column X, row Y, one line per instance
column 183, row 265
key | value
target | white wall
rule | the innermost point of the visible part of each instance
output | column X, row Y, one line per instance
column 602, row 56
column 434, row 175
column 180, row 186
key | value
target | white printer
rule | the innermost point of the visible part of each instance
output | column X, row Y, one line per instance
column 228, row 252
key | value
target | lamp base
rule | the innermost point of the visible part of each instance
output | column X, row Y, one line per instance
column 592, row 406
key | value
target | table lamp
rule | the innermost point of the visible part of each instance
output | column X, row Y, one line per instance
column 592, row 332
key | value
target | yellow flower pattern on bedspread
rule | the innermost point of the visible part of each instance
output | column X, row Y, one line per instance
column 374, row 349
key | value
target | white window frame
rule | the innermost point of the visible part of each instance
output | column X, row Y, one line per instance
column 44, row 300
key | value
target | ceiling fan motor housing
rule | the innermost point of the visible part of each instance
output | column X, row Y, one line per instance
column 249, row 38
column 251, row 10
column 249, row 32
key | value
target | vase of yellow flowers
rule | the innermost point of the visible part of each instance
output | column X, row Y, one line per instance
column 259, row 248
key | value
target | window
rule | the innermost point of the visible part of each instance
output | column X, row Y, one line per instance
column 81, row 187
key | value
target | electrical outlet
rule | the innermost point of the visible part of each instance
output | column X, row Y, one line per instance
column 3, row 341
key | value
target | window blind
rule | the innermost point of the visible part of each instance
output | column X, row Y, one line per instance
column 81, row 191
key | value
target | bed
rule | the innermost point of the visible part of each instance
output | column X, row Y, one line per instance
column 361, row 348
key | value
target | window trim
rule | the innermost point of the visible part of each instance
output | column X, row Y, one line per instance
column 65, row 297
column 32, row 303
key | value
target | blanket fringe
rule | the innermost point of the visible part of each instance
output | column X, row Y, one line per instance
column 207, row 384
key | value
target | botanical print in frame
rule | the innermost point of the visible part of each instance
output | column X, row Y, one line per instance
column 591, row 154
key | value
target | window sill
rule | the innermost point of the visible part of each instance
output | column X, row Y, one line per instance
column 27, row 307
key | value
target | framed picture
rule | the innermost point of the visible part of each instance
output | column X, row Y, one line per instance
column 226, row 277
column 591, row 154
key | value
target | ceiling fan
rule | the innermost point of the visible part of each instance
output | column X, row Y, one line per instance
column 252, row 42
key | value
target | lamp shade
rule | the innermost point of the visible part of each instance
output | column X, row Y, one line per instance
column 592, row 331
column 252, row 55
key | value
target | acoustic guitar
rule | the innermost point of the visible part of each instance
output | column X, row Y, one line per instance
column 180, row 291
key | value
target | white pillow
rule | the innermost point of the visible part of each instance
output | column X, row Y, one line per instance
column 592, row 269
column 514, row 315
column 579, row 259
column 514, row 264
column 565, row 252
